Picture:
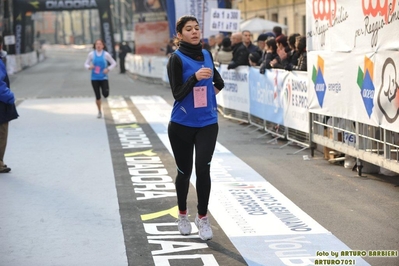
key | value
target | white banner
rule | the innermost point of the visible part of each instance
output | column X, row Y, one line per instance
column 235, row 94
column 295, row 101
column 201, row 9
column 386, row 82
column 365, row 89
column 224, row 19
column 361, row 25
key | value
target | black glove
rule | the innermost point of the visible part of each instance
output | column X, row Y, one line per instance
column 289, row 67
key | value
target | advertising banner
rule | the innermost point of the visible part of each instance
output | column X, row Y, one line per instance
column 150, row 37
column 295, row 100
column 364, row 90
column 361, row 25
column 266, row 94
column 21, row 7
column 235, row 94
column 386, row 82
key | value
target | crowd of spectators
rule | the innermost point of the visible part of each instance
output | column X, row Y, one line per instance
column 270, row 50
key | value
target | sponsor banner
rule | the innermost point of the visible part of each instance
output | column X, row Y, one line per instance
column 266, row 94
column 201, row 9
column 244, row 208
column 295, row 100
column 364, row 91
column 305, row 249
column 343, row 90
column 57, row 5
column 386, row 83
column 150, row 37
column 147, row 66
column 339, row 25
column 141, row 6
column 235, row 94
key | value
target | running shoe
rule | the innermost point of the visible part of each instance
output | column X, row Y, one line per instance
column 184, row 225
column 204, row 228
column 99, row 115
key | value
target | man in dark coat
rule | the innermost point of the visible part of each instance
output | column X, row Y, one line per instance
column 8, row 111
column 123, row 50
column 240, row 52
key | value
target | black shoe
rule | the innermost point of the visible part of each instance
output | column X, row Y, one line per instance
column 5, row 169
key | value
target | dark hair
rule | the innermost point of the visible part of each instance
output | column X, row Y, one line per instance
column 226, row 42
column 292, row 39
column 1, row 40
column 180, row 25
column 302, row 44
column 182, row 21
column 254, row 57
column 277, row 30
column 282, row 39
column 272, row 43
column 94, row 44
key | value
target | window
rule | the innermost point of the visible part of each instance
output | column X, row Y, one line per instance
column 275, row 17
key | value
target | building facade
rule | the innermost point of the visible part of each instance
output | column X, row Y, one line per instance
column 288, row 12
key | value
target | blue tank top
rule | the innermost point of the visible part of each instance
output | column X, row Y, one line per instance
column 100, row 63
column 183, row 111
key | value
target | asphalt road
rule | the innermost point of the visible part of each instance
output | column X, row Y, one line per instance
column 361, row 212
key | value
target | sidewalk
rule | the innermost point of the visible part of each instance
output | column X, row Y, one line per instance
column 59, row 202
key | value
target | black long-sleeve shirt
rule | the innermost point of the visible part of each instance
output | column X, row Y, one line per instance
column 181, row 89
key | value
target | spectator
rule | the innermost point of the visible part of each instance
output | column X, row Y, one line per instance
column 124, row 49
column 283, row 49
column 225, row 55
column 292, row 56
column 261, row 45
column 170, row 47
column 240, row 52
column 254, row 59
column 219, row 39
column 277, row 30
column 212, row 44
column 272, row 59
column 302, row 64
column 8, row 111
column 246, row 39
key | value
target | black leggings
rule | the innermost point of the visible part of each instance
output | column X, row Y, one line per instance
column 183, row 139
column 103, row 84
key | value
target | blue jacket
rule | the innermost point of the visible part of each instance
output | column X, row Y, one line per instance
column 7, row 107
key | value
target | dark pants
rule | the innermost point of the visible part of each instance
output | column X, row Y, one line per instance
column 3, row 141
column 122, row 64
column 100, row 84
column 183, row 141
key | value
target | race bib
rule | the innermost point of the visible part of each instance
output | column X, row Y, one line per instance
column 97, row 69
column 200, row 99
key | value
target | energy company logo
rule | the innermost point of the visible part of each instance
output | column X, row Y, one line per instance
column 318, row 80
column 388, row 96
column 365, row 82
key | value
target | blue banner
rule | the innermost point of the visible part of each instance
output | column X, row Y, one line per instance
column 265, row 95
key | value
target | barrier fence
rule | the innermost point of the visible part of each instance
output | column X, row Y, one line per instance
column 277, row 103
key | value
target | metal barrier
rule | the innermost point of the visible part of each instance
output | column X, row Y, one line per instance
column 367, row 144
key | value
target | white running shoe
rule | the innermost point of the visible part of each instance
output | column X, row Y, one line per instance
column 99, row 115
column 184, row 225
column 204, row 228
